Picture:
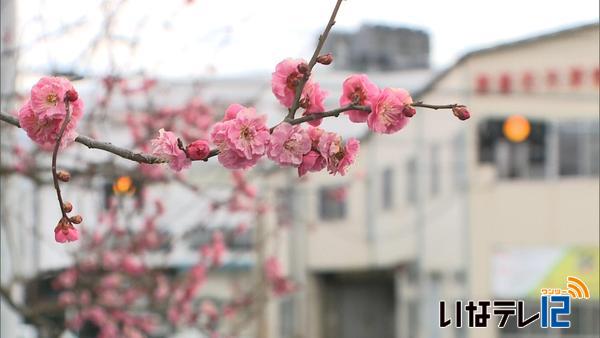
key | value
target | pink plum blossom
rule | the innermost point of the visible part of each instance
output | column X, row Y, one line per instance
column 132, row 265
column 65, row 231
column 339, row 156
column 48, row 97
column 165, row 146
column 313, row 160
column 288, row 144
column 359, row 90
column 232, row 110
column 313, row 99
column 387, row 111
column 241, row 141
column 44, row 113
column 285, row 79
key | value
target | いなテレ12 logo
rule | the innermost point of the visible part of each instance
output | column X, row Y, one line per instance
column 555, row 308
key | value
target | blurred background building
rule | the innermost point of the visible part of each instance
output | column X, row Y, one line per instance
column 379, row 48
column 495, row 208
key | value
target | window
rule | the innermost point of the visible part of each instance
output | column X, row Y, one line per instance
column 387, row 189
column 526, row 159
column 434, row 166
column 332, row 203
column 411, row 181
column 283, row 206
column 482, row 84
column 578, row 148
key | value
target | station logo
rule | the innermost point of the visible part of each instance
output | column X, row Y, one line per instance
column 555, row 308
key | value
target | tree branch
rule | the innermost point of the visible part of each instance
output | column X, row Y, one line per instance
column 151, row 159
column 436, row 106
column 313, row 61
column 94, row 144
column 54, row 158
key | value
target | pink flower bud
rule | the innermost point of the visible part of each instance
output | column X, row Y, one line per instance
column 325, row 59
column 71, row 95
column 198, row 150
column 461, row 112
column 409, row 111
column 302, row 68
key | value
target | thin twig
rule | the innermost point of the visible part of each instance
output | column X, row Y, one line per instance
column 55, row 155
column 436, row 106
column 312, row 62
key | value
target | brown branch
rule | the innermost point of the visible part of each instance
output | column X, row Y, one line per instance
column 331, row 113
column 5, row 293
column 55, row 155
column 313, row 61
column 150, row 159
column 95, row 144
column 436, row 106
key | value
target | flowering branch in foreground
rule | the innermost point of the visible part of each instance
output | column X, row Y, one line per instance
column 242, row 137
column 142, row 157
column 95, row 144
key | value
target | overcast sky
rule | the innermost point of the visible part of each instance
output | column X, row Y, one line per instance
column 230, row 37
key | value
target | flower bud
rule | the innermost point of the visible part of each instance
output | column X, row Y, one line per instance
column 76, row 219
column 461, row 112
column 63, row 176
column 67, row 207
column 71, row 95
column 409, row 111
column 198, row 150
column 304, row 102
column 325, row 59
column 303, row 68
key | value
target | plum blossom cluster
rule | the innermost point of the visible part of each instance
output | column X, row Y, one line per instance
column 115, row 289
column 191, row 122
column 242, row 137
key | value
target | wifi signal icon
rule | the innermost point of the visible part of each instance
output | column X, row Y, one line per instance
column 577, row 288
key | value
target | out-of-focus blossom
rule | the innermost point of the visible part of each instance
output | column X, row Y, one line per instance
column 280, row 285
